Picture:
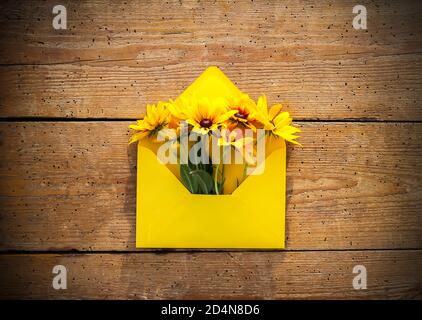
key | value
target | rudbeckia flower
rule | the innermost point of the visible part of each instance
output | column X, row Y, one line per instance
column 245, row 108
column 206, row 116
column 157, row 117
column 276, row 122
column 177, row 108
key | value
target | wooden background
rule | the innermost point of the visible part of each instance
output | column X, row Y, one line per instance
column 67, row 175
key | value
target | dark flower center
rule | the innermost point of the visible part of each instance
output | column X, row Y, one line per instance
column 241, row 114
column 205, row 123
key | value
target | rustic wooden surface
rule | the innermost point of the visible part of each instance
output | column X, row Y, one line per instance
column 67, row 176
column 231, row 275
column 76, row 189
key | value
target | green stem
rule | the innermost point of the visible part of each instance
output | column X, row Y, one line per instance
column 215, row 179
column 216, row 172
column 245, row 166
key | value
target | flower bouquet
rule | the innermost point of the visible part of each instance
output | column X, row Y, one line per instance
column 211, row 169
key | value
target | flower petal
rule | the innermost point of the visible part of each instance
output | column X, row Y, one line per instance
column 274, row 111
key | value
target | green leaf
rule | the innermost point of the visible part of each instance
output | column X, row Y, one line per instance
column 187, row 179
column 208, row 167
column 204, row 181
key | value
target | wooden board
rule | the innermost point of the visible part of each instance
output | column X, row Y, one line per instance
column 71, row 185
column 213, row 275
column 67, row 175
column 376, row 88
column 307, row 54
column 177, row 33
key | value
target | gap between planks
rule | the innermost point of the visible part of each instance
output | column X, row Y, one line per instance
column 64, row 119
column 194, row 251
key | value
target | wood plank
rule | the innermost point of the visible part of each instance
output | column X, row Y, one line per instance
column 253, row 275
column 71, row 186
column 384, row 88
column 117, row 56
column 174, row 32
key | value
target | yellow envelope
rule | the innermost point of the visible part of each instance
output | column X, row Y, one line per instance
column 169, row 216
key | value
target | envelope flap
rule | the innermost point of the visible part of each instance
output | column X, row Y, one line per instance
column 211, row 84
column 158, row 176
column 271, row 180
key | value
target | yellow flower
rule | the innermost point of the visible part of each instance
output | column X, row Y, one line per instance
column 176, row 114
column 204, row 115
column 234, row 139
column 157, row 117
column 176, row 108
column 245, row 108
column 275, row 121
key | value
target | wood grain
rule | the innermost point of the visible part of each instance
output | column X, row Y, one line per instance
column 307, row 54
column 353, row 191
column 384, row 88
column 274, row 275
column 71, row 186
column 179, row 32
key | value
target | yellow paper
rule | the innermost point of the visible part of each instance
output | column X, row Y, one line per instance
column 169, row 216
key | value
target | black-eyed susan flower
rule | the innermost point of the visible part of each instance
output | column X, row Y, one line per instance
column 206, row 116
column 275, row 121
column 177, row 108
column 245, row 109
column 157, row 117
